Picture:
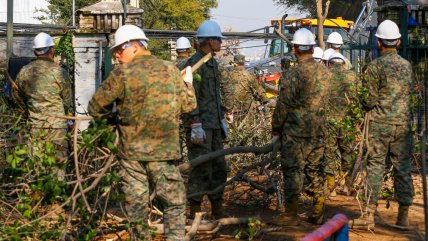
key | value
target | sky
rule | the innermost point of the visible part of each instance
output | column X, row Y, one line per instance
column 247, row 15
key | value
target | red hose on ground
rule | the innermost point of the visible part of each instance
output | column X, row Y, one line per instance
column 327, row 229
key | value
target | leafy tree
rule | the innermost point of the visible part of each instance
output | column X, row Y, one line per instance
column 176, row 14
column 60, row 11
column 349, row 9
column 173, row 14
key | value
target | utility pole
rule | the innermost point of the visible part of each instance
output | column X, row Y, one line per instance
column 74, row 13
column 9, row 32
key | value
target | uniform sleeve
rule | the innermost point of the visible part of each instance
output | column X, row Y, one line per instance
column 186, row 94
column 66, row 92
column 287, row 93
column 371, row 86
column 111, row 89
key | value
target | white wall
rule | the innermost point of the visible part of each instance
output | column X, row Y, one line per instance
column 24, row 11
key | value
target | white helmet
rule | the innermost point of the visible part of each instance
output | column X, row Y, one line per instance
column 43, row 40
column 336, row 57
column 318, row 52
column 388, row 30
column 335, row 38
column 183, row 43
column 128, row 33
column 303, row 37
column 209, row 28
column 327, row 54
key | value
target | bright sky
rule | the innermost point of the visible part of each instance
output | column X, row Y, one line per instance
column 247, row 15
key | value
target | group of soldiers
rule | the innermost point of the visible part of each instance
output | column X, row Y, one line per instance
column 153, row 99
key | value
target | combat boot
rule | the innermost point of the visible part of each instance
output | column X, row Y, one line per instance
column 317, row 211
column 365, row 221
column 217, row 209
column 330, row 185
column 403, row 216
column 195, row 207
column 289, row 218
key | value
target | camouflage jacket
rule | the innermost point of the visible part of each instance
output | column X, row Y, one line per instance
column 388, row 82
column 44, row 91
column 210, row 109
column 303, row 95
column 246, row 89
column 226, row 87
column 344, row 92
column 150, row 96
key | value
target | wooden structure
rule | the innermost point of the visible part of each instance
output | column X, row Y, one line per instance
column 107, row 16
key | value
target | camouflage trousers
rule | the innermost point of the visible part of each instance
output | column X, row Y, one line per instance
column 339, row 153
column 208, row 175
column 58, row 139
column 303, row 158
column 390, row 144
column 164, row 177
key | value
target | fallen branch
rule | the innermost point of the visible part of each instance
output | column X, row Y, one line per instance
column 195, row 226
column 185, row 167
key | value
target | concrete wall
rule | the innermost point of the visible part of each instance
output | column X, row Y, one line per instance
column 87, row 73
column 22, row 46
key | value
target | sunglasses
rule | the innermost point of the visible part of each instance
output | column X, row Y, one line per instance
column 123, row 47
column 216, row 38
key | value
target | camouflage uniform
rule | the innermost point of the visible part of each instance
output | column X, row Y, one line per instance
column 247, row 90
column 209, row 112
column 388, row 81
column 150, row 96
column 340, row 145
column 299, row 117
column 43, row 92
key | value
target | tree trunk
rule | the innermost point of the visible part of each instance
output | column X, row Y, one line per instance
column 321, row 16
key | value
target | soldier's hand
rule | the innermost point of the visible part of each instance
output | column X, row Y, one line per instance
column 197, row 135
column 188, row 76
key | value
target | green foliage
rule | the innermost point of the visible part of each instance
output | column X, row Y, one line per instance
column 60, row 11
column 31, row 188
column 176, row 14
column 254, row 226
column 64, row 48
column 338, row 8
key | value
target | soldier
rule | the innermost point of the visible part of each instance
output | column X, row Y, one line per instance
column 388, row 82
column 150, row 96
column 246, row 90
column 340, row 139
column 299, row 119
column 205, row 125
column 335, row 41
column 183, row 49
column 317, row 55
column 326, row 55
column 42, row 94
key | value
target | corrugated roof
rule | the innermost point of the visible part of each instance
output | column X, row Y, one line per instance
column 109, row 7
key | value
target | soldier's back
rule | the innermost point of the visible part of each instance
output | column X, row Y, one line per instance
column 309, row 85
column 41, row 83
column 389, row 78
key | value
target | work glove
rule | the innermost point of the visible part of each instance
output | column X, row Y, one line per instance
column 229, row 117
column 224, row 128
column 188, row 76
column 197, row 136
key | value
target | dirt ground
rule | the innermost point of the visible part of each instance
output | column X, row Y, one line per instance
column 264, row 209
column 348, row 205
